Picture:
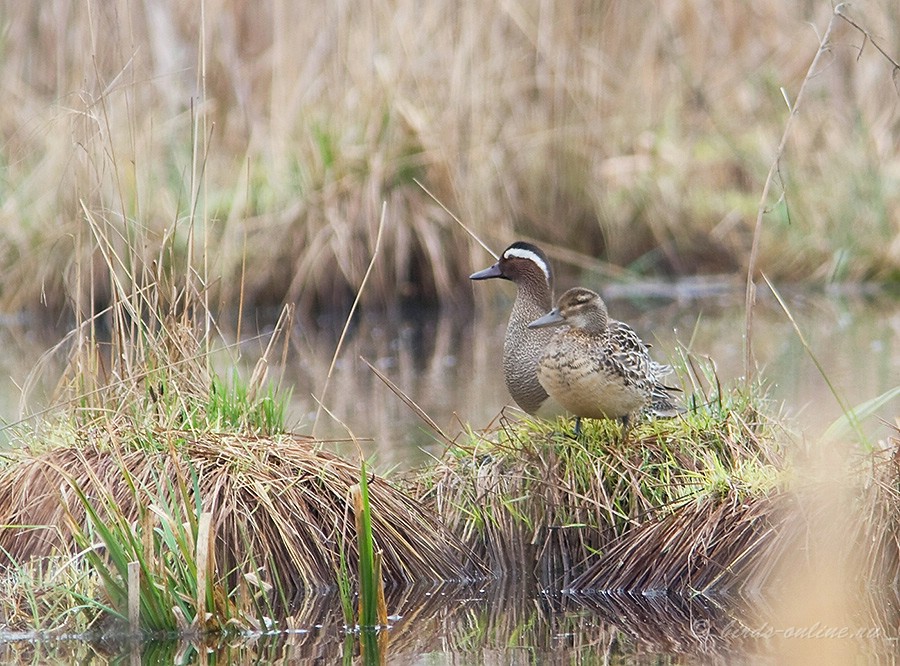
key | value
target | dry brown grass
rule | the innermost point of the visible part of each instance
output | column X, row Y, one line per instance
column 881, row 503
column 272, row 132
column 282, row 501
column 716, row 545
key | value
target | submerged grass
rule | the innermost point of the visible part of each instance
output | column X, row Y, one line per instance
column 44, row 595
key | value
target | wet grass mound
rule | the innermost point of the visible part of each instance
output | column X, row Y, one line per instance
column 671, row 502
column 234, row 526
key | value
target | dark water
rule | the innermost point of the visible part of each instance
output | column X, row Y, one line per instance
column 449, row 365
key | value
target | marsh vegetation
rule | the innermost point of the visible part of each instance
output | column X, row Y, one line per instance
column 171, row 171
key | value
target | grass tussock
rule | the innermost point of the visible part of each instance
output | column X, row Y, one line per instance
column 281, row 510
column 531, row 498
column 640, row 138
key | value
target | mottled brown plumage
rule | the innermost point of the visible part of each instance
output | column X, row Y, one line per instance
column 597, row 367
column 527, row 267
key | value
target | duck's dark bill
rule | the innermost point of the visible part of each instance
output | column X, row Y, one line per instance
column 492, row 272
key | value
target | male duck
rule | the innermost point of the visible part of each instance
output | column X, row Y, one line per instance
column 527, row 267
column 598, row 367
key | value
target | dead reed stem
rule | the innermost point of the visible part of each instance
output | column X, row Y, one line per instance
column 839, row 10
column 359, row 291
column 763, row 207
column 456, row 219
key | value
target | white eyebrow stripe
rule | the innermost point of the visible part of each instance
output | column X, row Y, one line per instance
column 531, row 256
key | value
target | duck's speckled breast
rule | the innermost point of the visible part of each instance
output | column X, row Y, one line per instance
column 521, row 350
column 577, row 371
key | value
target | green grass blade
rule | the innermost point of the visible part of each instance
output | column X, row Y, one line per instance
column 851, row 419
column 368, row 585
column 848, row 424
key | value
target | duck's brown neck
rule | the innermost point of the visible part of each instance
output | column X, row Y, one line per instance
column 522, row 347
column 594, row 321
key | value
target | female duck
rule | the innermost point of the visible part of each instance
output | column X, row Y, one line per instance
column 526, row 266
column 598, row 367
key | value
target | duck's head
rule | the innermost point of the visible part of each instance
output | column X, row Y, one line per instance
column 521, row 263
column 578, row 308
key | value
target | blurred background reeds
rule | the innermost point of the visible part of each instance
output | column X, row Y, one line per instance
column 263, row 138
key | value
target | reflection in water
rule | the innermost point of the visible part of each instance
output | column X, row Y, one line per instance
column 511, row 623
column 500, row 623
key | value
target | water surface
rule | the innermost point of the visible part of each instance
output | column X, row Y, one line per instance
column 449, row 364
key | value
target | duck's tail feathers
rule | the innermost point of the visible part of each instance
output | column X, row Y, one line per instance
column 661, row 404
